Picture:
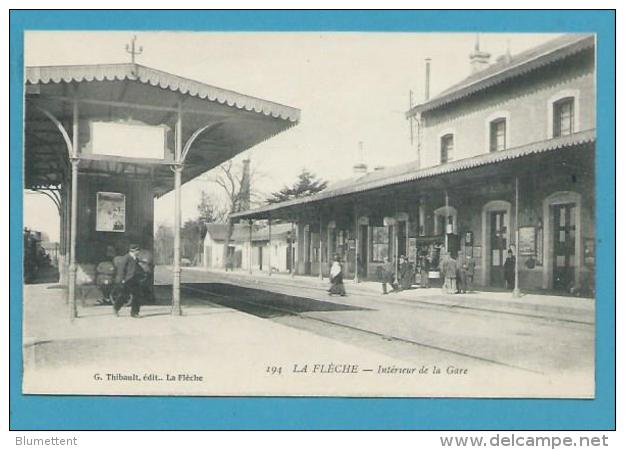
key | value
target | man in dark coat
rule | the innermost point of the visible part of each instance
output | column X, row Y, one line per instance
column 470, row 272
column 129, row 276
column 424, row 267
column 405, row 273
column 508, row 269
column 449, row 269
column 461, row 277
column 388, row 276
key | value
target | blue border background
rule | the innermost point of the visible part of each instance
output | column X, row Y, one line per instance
column 136, row 413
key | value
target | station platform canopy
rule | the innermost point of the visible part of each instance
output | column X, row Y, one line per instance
column 219, row 123
column 131, row 123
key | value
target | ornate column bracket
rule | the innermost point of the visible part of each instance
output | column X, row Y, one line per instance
column 68, row 141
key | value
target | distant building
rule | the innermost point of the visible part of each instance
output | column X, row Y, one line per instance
column 262, row 253
column 516, row 135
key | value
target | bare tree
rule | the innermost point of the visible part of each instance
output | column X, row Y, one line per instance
column 236, row 182
column 209, row 210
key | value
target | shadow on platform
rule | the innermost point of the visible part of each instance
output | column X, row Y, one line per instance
column 258, row 302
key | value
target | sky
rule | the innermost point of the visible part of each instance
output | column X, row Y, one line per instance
column 350, row 88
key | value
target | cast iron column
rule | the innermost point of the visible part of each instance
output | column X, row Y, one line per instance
column 320, row 247
column 249, row 252
column 269, row 248
column 516, row 292
column 71, row 294
column 356, row 280
column 176, row 309
column 73, row 312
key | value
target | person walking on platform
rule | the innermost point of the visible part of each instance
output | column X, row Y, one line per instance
column 448, row 269
column 470, row 272
column 508, row 270
column 336, row 278
column 405, row 273
column 128, row 279
column 387, row 276
column 424, row 268
column 442, row 266
column 461, row 278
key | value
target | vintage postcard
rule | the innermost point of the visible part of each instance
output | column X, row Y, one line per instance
column 354, row 214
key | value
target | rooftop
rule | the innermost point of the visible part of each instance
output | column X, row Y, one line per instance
column 517, row 65
column 240, row 233
column 408, row 172
column 221, row 123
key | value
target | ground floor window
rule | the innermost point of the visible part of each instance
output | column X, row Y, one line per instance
column 379, row 243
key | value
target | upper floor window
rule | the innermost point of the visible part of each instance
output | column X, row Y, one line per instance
column 498, row 135
column 447, row 148
column 563, row 117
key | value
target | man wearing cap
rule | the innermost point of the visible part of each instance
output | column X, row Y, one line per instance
column 128, row 277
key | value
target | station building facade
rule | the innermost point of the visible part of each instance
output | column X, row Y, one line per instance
column 505, row 161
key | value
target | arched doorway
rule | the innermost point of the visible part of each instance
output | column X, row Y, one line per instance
column 495, row 241
column 562, row 240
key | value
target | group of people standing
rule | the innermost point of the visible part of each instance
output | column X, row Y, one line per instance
column 404, row 278
column 458, row 276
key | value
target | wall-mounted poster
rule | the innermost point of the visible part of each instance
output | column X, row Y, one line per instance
column 527, row 241
column 111, row 212
column 589, row 251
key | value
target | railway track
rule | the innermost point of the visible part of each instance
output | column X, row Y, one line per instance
column 329, row 322
column 413, row 303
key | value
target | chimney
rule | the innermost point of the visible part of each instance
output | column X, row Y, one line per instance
column 479, row 59
column 506, row 57
column 427, row 78
column 245, row 186
column 360, row 168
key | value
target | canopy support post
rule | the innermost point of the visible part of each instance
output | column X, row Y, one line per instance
column 251, row 247
column 320, row 246
column 446, row 222
column 289, row 249
column 269, row 248
column 516, row 292
column 176, row 309
column 71, row 290
column 356, row 279
column 295, row 262
column 396, row 252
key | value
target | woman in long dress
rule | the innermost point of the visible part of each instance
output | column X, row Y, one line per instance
column 336, row 278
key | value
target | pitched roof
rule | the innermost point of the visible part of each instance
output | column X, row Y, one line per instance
column 218, row 231
column 164, row 80
column 278, row 230
column 550, row 52
column 410, row 171
column 241, row 232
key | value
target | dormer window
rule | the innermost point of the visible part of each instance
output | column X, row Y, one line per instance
column 447, row 148
column 498, row 135
column 563, row 117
